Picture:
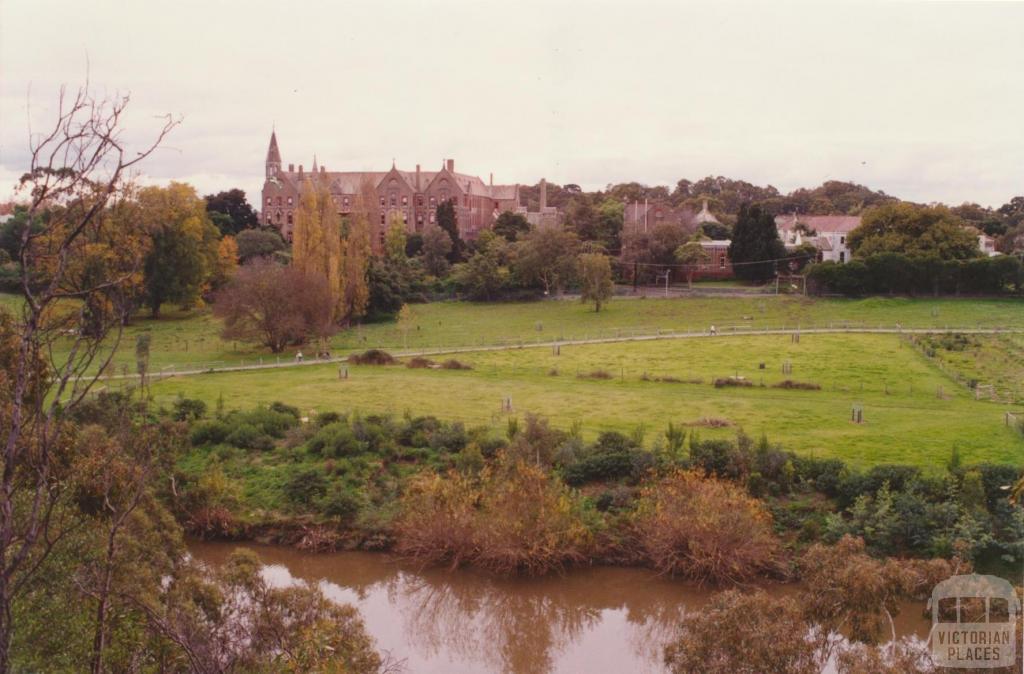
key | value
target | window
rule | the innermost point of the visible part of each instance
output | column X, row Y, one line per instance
column 721, row 262
column 382, row 202
column 277, row 217
column 393, row 200
column 842, row 256
column 270, row 201
column 279, row 201
column 419, row 220
column 842, row 239
column 419, row 199
column 431, row 218
column 289, row 217
column 405, row 200
column 433, row 202
column 382, row 217
column 289, row 201
column 344, row 202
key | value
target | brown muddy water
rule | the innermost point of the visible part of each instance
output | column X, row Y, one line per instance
column 599, row 619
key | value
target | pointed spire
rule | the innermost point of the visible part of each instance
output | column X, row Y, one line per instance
column 273, row 154
column 314, row 163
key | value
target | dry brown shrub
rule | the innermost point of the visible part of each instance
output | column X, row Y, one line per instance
column 705, row 529
column 848, row 591
column 595, row 374
column 512, row 520
column 529, row 523
column 797, row 385
column 419, row 362
column 372, row 357
column 318, row 538
column 740, row 633
column 452, row 364
column 723, row 382
column 437, row 520
column 711, row 422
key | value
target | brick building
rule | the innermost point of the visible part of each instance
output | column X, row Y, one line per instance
column 413, row 195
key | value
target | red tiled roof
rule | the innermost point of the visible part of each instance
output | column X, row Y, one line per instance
column 822, row 224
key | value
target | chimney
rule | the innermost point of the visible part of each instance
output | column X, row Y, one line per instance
column 323, row 169
column 417, row 177
column 291, row 168
column 543, row 194
column 492, row 180
column 451, row 166
column 300, row 169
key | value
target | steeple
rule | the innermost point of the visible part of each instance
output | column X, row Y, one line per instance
column 273, row 156
column 314, row 163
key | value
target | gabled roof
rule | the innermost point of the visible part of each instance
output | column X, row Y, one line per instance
column 831, row 224
column 504, row 192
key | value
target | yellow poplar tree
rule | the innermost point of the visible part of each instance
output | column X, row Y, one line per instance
column 357, row 251
column 316, row 238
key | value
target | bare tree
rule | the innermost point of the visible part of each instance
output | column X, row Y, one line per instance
column 77, row 275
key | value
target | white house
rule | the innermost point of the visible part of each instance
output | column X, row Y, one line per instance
column 827, row 232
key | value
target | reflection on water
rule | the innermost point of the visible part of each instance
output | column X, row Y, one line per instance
column 589, row 620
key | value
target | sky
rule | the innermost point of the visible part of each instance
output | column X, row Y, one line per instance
column 922, row 100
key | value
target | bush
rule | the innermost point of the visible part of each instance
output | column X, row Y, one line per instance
column 269, row 421
column 799, row 385
column 189, row 409
column 732, row 381
column 419, row 362
column 595, row 374
column 281, row 408
column 452, row 364
column 303, row 488
column 449, row 437
column 335, row 440
column 247, row 436
column 342, row 505
column 372, row 357
column 705, row 529
column 720, row 458
column 212, row 432
column 517, row 521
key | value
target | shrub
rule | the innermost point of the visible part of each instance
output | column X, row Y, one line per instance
column 268, row 421
column 452, row 364
column 449, row 437
column 342, row 505
column 305, row 486
column 720, row 458
column 247, row 436
column 419, row 362
column 711, row 422
column 335, row 440
column 595, row 374
column 516, row 521
column 212, row 432
column 325, row 418
column 704, row 529
column 372, row 357
column 281, row 408
column 732, row 381
column 800, row 385
column 189, row 409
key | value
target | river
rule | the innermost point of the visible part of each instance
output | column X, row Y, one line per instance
column 598, row 619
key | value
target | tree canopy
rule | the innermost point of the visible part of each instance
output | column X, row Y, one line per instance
column 231, row 212
column 913, row 230
column 755, row 244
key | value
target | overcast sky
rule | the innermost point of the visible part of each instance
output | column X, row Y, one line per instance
column 924, row 101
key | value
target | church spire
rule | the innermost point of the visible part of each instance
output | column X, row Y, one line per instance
column 273, row 156
column 314, row 163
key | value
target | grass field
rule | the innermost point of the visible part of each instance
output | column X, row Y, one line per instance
column 184, row 340
column 905, row 419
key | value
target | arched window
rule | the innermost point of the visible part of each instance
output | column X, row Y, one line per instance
column 289, row 217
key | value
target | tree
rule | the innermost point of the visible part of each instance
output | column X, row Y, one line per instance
column 482, row 276
column 356, row 256
column 275, row 306
column 547, row 255
column 316, row 239
column 76, row 170
column 511, row 225
column 183, row 251
column 258, row 243
column 691, row 254
column 913, row 230
column 227, row 262
column 595, row 272
column 236, row 215
column 437, row 245
column 756, row 245
column 395, row 241
column 447, row 220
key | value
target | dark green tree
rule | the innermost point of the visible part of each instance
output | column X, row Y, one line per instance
column 447, row 219
column 755, row 244
column 511, row 225
column 231, row 212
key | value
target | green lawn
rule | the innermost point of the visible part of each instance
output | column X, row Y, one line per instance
column 906, row 420
column 189, row 340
